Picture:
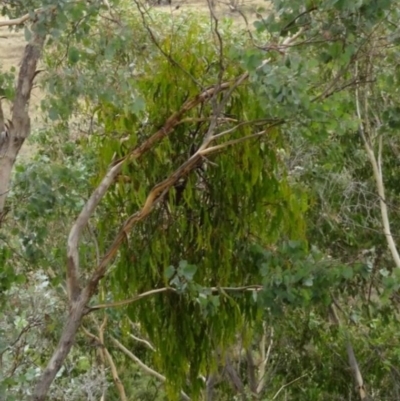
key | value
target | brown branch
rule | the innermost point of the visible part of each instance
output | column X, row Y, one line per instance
column 73, row 280
column 143, row 341
column 62, row 350
column 234, row 377
column 27, row 72
column 210, row 385
column 73, row 284
column 264, row 359
column 131, row 300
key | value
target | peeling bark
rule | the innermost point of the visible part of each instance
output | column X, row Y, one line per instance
column 13, row 136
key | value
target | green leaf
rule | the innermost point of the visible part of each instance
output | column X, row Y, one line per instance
column 73, row 55
column 186, row 270
column 27, row 34
column 347, row 272
column 169, row 272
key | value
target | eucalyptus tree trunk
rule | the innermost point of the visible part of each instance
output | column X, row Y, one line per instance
column 15, row 130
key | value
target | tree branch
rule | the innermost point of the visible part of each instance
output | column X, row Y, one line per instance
column 16, row 21
column 265, row 358
column 105, row 355
column 19, row 127
column 143, row 366
column 377, row 170
column 141, row 340
column 166, row 289
column 73, row 278
column 287, row 385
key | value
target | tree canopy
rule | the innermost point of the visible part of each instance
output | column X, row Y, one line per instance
column 210, row 203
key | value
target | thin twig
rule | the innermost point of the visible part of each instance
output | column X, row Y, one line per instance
column 287, row 385
column 171, row 289
column 143, row 366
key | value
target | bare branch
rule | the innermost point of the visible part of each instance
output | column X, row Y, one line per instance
column 15, row 22
column 376, row 168
column 141, row 340
column 114, row 372
column 234, row 377
column 27, row 72
column 64, row 346
column 105, row 355
column 210, row 384
column 132, row 300
column 251, row 371
column 213, row 149
column 171, row 289
column 80, row 298
column 73, row 285
column 143, row 366
column 350, row 354
column 264, row 361
column 2, row 122
column 287, row 385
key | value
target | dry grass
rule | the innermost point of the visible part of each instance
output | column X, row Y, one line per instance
column 224, row 8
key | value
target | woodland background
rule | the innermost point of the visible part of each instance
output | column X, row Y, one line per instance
column 199, row 201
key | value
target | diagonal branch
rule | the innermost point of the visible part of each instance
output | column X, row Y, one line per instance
column 158, row 191
column 155, row 195
column 143, row 341
column 79, row 299
column 143, row 366
column 73, row 280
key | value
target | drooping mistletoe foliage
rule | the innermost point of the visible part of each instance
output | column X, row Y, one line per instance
column 195, row 238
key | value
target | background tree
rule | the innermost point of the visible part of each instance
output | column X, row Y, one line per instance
column 220, row 181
